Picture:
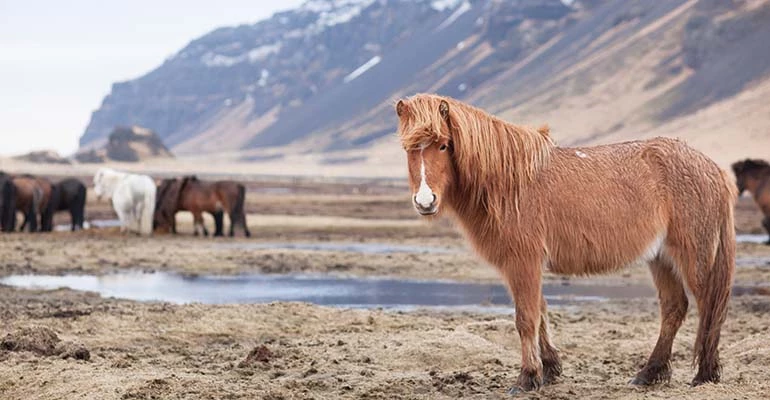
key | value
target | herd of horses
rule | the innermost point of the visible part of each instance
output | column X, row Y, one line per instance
column 38, row 199
column 142, row 205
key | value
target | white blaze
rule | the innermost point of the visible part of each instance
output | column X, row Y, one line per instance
column 424, row 196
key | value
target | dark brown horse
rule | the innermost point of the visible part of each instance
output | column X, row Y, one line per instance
column 754, row 175
column 7, row 203
column 191, row 194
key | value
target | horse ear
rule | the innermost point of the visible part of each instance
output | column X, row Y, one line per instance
column 401, row 108
column 443, row 109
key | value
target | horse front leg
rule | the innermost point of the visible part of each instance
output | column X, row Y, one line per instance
column 548, row 352
column 524, row 282
column 197, row 220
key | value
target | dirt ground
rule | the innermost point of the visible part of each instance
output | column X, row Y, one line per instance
column 64, row 344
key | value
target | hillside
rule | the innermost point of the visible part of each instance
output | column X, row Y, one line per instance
column 316, row 85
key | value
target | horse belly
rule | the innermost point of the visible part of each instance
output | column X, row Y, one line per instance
column 581, row 257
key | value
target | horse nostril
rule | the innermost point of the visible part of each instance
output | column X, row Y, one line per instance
column 434, row 198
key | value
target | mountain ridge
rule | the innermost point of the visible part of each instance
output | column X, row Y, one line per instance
column 319, row 82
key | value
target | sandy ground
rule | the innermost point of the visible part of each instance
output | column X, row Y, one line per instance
column 66, row 344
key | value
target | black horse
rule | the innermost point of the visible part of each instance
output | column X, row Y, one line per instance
column 71, row 196
column 7, row 203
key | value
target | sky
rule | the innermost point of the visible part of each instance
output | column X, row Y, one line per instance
column 58, row 59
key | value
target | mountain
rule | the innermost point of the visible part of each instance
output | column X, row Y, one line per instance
column 318, row 83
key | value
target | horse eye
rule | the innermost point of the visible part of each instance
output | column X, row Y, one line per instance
column 442, row 147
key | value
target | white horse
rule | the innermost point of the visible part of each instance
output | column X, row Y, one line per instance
column 133, row 198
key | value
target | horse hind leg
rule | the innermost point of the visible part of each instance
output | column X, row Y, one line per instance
column 766, row 225
column 713, row 295
column 673, row 309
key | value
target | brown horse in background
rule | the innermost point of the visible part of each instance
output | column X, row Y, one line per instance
column 191, row 194
column 526, row 204
column 234, row 195
column 46, row 206
column 754, row 175
column 29, row 200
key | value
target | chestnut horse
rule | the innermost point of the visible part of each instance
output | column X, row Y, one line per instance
column 47, row 206
column 29, row 201
column 188, row 194
column 526, row 204
column 754, row 176
column 191, row 194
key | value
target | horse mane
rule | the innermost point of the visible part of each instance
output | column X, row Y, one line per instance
column 494, row 159
column 751, row 165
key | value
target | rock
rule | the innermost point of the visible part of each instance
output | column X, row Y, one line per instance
column 37, row 339
column 77, row 351
column 258, row 354
column 135, row 144
column 43, row 341
column 44, row 157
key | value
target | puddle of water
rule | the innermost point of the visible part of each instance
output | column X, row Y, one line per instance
column 751, row 238
column 362, row 248
column 351, row 293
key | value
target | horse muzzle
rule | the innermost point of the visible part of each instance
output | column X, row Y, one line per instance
column 431, row 209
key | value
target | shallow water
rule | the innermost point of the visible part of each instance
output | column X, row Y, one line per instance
column 322, row 290
column 96, row 223
column 363, row 248
column 751, row 238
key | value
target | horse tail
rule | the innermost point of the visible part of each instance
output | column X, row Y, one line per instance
column 717, row 281
column 148, row 211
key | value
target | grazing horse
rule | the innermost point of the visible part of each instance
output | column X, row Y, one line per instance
column 167, row 205
column 46, row 208
column 526, row 204
column 29, row 201
column 7, row 203
column 191, row 194
column 754, row 176
column 71, row 196
column 133, row 198
column 233, row 195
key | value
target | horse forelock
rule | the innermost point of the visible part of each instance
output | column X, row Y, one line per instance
column 494, row 159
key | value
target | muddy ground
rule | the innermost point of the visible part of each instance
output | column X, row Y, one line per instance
column 64, row 344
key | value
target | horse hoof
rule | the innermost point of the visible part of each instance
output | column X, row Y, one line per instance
column 637, row 381
column 527, row 382
column 700, row 380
